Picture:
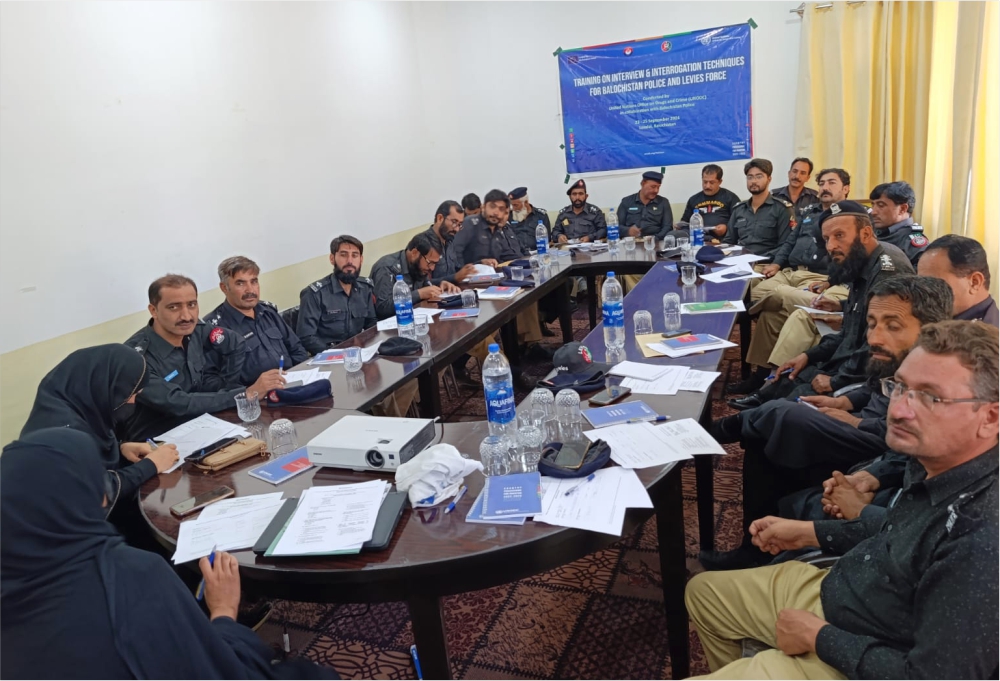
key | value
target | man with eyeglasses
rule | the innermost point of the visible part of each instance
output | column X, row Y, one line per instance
column 762, row 223
column 416, row 263
column 916, row 591
column 447, row 223
column 791, row 446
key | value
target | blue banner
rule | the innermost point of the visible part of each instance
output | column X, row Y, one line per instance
column 657, row 102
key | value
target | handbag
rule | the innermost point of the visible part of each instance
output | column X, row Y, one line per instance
column 234, row 453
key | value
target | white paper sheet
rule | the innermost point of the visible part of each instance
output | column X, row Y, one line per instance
column 646, row 372
column 198, row 433
column 638, row 445
column 688, row 437
column 699, row 381
column 734, row 306
column 817, row 311
column 369, row 352
column 227, row 525
column 667, row 383
column 675, row 354
column 332, row 518
column 418, row 312
column 479, row 268
column 745, row 259
column 599, row 505
column 728, row 274
column 303, row 377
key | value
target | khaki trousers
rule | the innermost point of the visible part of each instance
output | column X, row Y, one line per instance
column 727, row 607
column 529, row 328
column 398, row 403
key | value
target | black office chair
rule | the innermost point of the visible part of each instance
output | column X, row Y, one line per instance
column 291, row 316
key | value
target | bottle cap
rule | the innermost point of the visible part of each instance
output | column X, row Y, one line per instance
column 610, row 274
column 399, row 277
column 493, row 347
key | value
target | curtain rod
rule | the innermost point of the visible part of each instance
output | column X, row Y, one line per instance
column 826, row 5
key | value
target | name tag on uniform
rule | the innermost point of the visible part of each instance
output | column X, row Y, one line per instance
column 633, row 209
column 171, row 376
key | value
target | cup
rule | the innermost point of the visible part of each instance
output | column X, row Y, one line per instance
column 642, row 321
column 671, row 311
column 536, row 264
column 248, row 407
column 542, row 398
column 531, row 432
column 669, row 242
column 649, row 243
column 689, row 275
column 282, row 438
column 352, row 359
column 629, row 243
column 517, row 273
column 421, row 325
column 683, row 242
column 356, row 382
column 469, row 299
column 494, row 453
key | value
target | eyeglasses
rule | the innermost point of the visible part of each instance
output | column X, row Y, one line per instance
column 892, row 388
column 431, row 263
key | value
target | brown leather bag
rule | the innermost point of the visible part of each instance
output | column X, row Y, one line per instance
column 234, row 453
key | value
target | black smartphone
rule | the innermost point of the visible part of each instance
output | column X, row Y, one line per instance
column 570, row 456
column 734, row 275
column 675, row 334
column 610, row 396
column 189, row 506
column 203, row 454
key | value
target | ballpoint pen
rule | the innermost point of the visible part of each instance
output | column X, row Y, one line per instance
column 281, row 363
column 589, row 478
column 658, row 419
column 458, row 498
column 152, row 445
column 416, row 661
column 200, row 593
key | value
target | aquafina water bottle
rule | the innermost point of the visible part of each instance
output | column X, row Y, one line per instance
column 697, row 225
column 613, row 307
column 403, row 302
column 613, row 233
column 498, row 384
column 541, row 238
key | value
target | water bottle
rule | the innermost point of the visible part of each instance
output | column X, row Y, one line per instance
column 498, row 384
column 612, row 232
column 613, row 307
column 404, row 308
column 541, row 238
column 697, row 226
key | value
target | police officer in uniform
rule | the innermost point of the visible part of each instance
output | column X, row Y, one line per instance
column 447, row 223
column 524, row 219
column 646, row 213
column 269, row 342
column 579, row 220
column 796, row 192
column 892, row 208
column 339, row 305
column 962, row 262
column 763, row 222
column 194, row 368
column 416, row 263
column 487, row 238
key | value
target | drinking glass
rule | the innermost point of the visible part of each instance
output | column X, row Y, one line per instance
column 356, row 381
column 494, row 453
column 352, row 359
column 629, row 243
column 671, row 311
column 568, row 413
column 421, row 326
column 642, row 322
column 649, row 243
column 248, row 409
column 282, row 438
column 536, row 264
column 530, row 438
column 517, row 273
column 689, row 275
column 542, row 398
column 469, row 299
column 683, row 241
column 669, row 242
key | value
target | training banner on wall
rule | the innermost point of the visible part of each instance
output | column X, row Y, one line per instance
column 657, row 102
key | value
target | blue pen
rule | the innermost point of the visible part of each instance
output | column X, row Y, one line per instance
column 589, row 478
column 200, row 593
column 416, row 660
column 152, row 445
column 458, row 498
column 771, row 377
column 658, row 419
column 281, row 363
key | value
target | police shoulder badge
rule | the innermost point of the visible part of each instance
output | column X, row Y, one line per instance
column 918, row 240
column 217, row 335
column 887, row 264
column 316, row 285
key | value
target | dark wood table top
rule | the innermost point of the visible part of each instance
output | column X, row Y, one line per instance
column 374, row 382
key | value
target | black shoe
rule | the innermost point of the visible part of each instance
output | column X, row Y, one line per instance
column 254, row 614
column 547, row 332
column 738, row 559
column 522, row 382
column 747, row 402
column 754, row 383
column 726, row 430
column 463, row 379
column 539, row 352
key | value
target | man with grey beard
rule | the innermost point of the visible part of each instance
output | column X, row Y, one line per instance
column 524, row 219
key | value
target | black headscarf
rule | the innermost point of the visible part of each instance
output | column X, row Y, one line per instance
column 88, row 391
column 60, row 561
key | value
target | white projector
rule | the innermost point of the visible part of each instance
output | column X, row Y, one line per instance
column 364, row 443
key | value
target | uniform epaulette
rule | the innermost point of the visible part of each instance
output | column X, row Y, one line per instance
column 593, row 209
column 787, row 203
column 917, row 227
column 565, row 209
column 365, row 280
column 887, row 264
column 540, row 210
column 141, row 346
column 269, row 304
column 317, row 285
column 473, row 219
column 214, row 321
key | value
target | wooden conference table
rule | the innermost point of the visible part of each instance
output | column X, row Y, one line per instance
column 433, row 555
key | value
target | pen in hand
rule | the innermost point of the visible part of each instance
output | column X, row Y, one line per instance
column 200, row 593
column 281, row 363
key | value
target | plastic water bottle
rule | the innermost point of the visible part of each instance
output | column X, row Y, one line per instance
column 403, row 303
column 612, row 232
column 613, row 307
column 498, row 384
column 541, row 238
column 697, row 226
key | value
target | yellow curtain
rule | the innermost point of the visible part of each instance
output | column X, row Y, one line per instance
column 908, row 91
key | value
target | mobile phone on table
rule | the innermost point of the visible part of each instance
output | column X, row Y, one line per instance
column 735, row 275
column 203, row 454
column 675, row 334
column 194, row 504
column 610, row 396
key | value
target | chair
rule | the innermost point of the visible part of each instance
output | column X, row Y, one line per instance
column 291, row 316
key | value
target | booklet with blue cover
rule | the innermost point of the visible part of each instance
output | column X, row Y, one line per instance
column 462, row 313
column 512, row 495
column 616, row 414
column 475, row 515
column 691, row 340
column 284, row 467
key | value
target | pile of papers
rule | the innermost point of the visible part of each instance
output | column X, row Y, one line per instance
column 651, row 379
column 420, row 314
column 659, row 348
column 334, row 519
column 226, row 525
column 597, row 504
column 499, row 292
column 641, row 445
column 197, row 434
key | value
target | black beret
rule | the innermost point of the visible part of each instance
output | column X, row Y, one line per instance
column 652, row 175
column 845, row 208
column 518, row 192
column 710, row 254
column 400, row 346
column 579, row 184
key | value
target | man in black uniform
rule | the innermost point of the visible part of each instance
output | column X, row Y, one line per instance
column 269, row 342
column 447, row 223
column 194, row 368
column 471, row 204
column 713, row 202
column 415, row 263
column 763, row 222
column 524, row 219
column 646, row 213
column 487, row 238
column 856, row 258
column 339, row 305
column 796, row 192
column 961, row 262
column 579, row 220
column 892, row 208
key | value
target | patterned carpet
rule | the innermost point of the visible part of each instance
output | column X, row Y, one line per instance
column 600, row 617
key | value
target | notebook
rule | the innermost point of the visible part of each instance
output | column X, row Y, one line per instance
column 283, row 468
column 617, row 414
column 499, row 293
column 463, row 313
column 484, row 278
column 475, row 515
column 512, row 495
column 690, row 341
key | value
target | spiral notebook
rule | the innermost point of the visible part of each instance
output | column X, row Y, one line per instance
column 618, row 414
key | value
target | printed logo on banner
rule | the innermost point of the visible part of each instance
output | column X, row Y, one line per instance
column 665, row 46
column 706, row 39
column 628, row 51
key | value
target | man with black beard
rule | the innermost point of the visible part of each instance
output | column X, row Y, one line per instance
column 339, row 305
column 791, row 446
column 447, row 222
column 524, row 219
column 579, row 220
column 415, row 263
column 856, row 258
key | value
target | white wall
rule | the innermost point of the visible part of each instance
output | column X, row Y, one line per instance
column 145, row 137
column 496, row 121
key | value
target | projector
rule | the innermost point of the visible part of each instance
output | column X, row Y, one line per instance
column 363, row 443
